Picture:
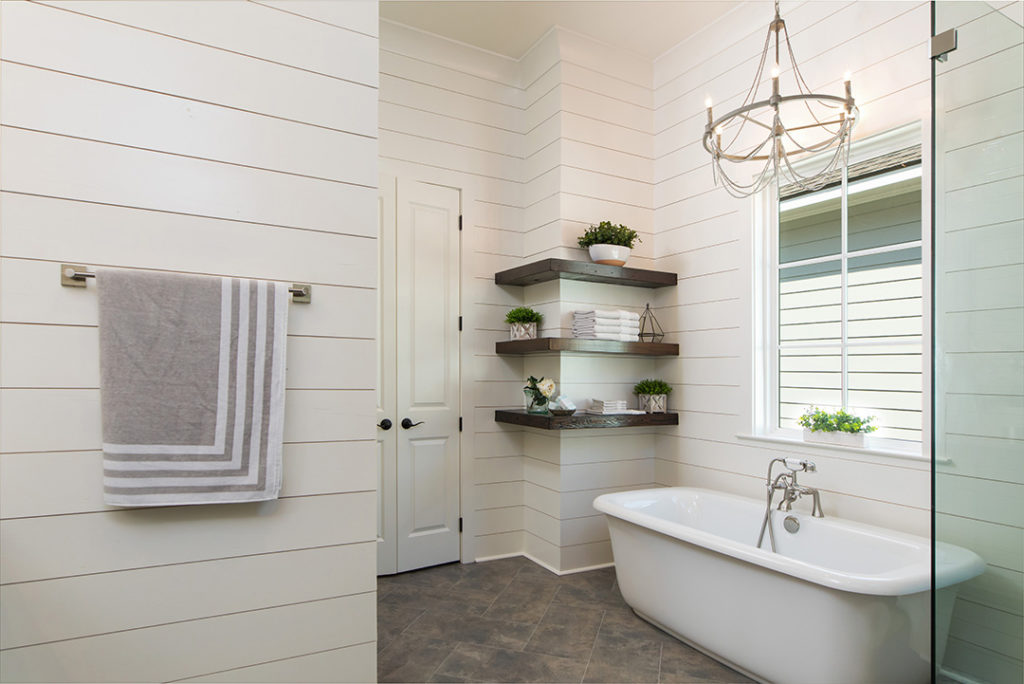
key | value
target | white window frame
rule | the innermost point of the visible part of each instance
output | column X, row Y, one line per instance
column 765, row 314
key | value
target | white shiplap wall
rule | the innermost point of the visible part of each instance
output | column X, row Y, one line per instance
column 980, row 329
column 540, row 147
column 227, row 138
column 453, row 115
column 589, row 142
column 707, row 238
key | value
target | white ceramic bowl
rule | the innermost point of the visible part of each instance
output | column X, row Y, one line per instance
column 614, row 255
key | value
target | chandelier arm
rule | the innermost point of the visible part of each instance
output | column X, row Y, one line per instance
column 754, row 121
column 750, row 156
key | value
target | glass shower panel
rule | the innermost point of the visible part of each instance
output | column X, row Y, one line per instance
column 978, row 318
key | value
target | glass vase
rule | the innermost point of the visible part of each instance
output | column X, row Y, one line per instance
column 533, row 405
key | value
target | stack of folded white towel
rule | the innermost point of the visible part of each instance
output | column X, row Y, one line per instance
column 607, row 407
column 606, row 324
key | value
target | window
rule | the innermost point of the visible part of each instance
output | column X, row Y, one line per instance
column 846, row 293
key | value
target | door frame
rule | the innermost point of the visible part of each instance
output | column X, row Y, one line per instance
column 390, row 173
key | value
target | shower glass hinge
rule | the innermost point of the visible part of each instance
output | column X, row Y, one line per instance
column 460, row 524
column 942, row 44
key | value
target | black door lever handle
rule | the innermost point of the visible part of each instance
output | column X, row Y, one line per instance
column 385, row 424
column 406, row 423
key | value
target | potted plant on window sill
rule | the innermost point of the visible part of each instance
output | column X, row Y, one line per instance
column 839, row 428
column 652, row 395
column 523, row 322
column 608, row 243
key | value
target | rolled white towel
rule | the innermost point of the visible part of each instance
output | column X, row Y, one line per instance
column 607, row 313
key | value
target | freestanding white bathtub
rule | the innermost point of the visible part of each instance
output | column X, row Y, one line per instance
column 839, row 602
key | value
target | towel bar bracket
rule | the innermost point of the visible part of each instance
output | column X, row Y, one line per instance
column 74, row 275
column 301, row 293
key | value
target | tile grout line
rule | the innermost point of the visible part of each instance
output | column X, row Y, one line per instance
column 594, row 645
column 437, row 669
column 661, row 654
column 547, row 609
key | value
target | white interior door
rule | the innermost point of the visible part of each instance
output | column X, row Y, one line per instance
column 425, row 428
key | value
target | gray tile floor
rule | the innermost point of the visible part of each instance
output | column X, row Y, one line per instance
column 513, row 621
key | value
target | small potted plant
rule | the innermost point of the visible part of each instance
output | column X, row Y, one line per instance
column 538, row 391
column 523, row 321
column 840, row 427
column 609, row 243
column 652, row 395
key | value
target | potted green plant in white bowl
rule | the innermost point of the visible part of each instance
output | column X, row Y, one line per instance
column 652, row 395
column 842, row 428
column 609, row 243
column 523, row 322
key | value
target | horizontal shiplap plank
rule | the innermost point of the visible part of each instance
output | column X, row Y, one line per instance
column 58, row 166
column 354, row 15
column 310, row 416
column 194, row 647
column 137, row 538
column 30, row 293
column 422, row 70
column 115, row 601
column 248, row 29
column 356, row 663
column 77, row 477
column 49, row 101
column 48, row 356
column 46, row 37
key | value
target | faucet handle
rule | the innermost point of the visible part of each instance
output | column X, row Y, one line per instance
column 800, row 465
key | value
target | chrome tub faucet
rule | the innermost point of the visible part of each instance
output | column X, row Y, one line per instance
column 786, row 482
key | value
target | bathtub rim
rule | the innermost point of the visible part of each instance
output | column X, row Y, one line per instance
column 953, row 564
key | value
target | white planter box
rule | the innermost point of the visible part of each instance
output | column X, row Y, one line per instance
column 653, row 403
column 850, row 439
column 523, row 331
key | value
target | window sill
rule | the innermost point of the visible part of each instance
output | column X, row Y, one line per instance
column 890, row 453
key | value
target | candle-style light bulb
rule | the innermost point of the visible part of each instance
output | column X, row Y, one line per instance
column 846, row 77
column 775, row 71
column 707, row 102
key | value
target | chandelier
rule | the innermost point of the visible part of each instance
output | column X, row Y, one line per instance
column 755, row 131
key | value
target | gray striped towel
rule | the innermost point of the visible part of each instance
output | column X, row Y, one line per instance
column 192, row 388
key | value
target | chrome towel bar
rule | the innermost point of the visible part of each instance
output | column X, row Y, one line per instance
column 73, row 275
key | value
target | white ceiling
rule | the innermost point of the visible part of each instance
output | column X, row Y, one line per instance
column 509, row 28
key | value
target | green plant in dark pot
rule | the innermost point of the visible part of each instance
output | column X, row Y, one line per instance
column 653, row 395
column 609, row 243
column 523, row 322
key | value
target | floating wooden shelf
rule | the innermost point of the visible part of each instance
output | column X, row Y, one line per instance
column 584, row 421
column 575, row 344
column 552, row 269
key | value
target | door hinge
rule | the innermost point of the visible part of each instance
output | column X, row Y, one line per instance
column 460, row 423
column 460, row 524
column 460, row 221
column 460, row 323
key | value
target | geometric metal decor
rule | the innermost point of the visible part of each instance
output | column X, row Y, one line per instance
column 650, row 329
